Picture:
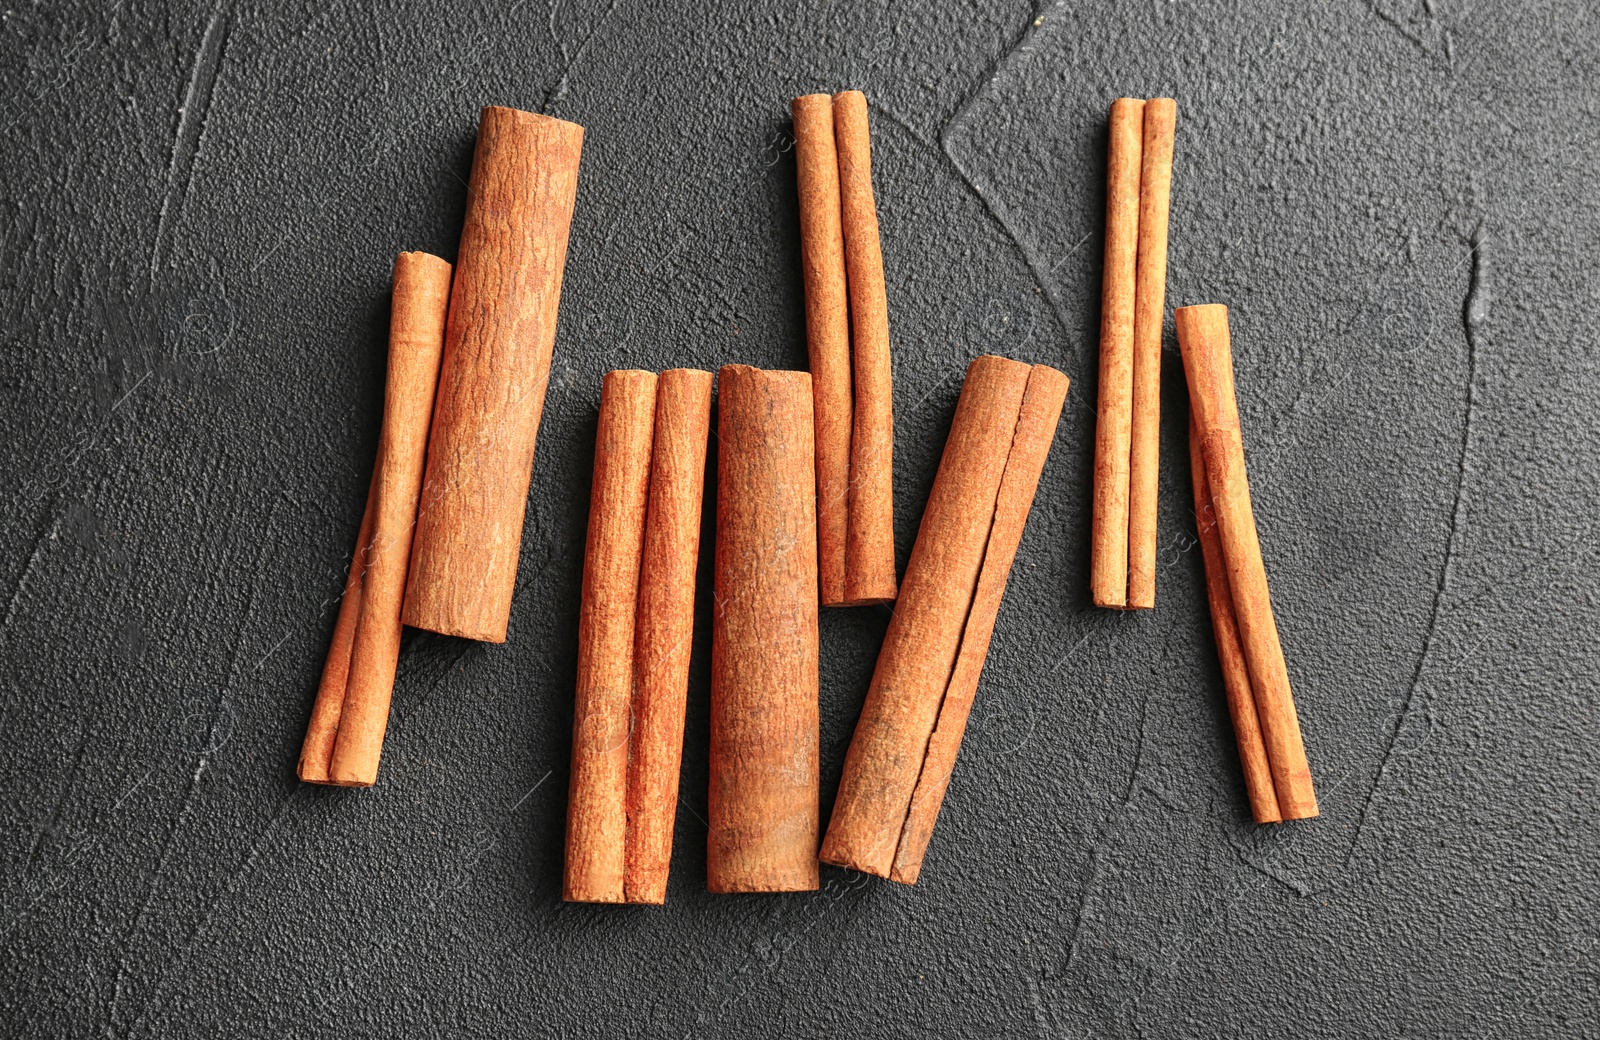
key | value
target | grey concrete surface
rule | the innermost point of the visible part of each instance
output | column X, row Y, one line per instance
column 199, row 206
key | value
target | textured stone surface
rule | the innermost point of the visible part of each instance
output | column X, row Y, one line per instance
column 201, row 205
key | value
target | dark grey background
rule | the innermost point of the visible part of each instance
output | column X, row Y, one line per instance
column 1398, row 200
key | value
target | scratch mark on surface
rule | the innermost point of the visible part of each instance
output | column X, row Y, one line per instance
column 49, row 826
column 1474, row 315
column 185, row 810
column 48, row 534
column 530, row 791
column 570, row 58
column 186, row 138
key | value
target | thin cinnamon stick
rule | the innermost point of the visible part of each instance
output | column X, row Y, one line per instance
column 869, row 545
column 416, row 338
column 665, row 628
column 598, row 792
column 1108, row 546
column 323, row 730
column 827, row 330
column 1150, row 288
column 1208, row 362
column 905, row 743
column 764, row 726
column 496, row 365
column 1235, row 674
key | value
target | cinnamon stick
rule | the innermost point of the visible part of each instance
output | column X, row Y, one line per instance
column 764, row 725
column 869, row 545
column 827, row 330
column 1235, row 674
column 1108, row 546
column 664, row 629
column 1208, row 362
column 598, row 792
column 1149, row 308
column 348, row 754
column 323, row 730
column 496, row 365
column 905, row 743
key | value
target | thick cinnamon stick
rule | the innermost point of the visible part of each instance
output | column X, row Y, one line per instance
column 1108, row 545
column 323, row 730
column 665, row 628
column 496, row 365
column 869, row 545
column 1149, row 308
column 1235, row 674
column 764, row 726
column 1208, row 363
column 416, row 338
column 827, row 330
column 905, row 743
column 598, row 793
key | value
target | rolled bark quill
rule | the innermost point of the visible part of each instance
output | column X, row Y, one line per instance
column 1127, row 429
column 496, row 365
column 847, row 331
column 905, row 743
column 763, row 807
column 634, row 633
column 345, row 738
column 1208, row 363
column 1235, row 674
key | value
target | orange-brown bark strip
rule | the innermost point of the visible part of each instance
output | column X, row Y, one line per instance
column 597, row 797
column 323, row 730
column 1035, row 430
column 501, row 331
column 664, row 629
column 1149, row 308
column 1235, row 674
column 869, row 575
column 416, row 339
column 822, row 266
column 763, row 807
column 1208, row 362
column 924, row 635
column 1108, row 535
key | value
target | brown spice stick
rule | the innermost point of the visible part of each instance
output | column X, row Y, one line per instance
column 597, row 796
column 926, row 637
column 764, row 726
column 1149, row 308
column 664, row 629
column 1036, row 427
column 1108, row 540
column 416, row 339
column 1208, row 362
column 869, row 546
column 827, row 330
column 323, row 730
column 496, row 363
column 1235, row 674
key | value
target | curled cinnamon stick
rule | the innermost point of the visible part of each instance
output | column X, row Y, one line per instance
column 665, row 627
column 496, row 365
column 847, row 332
column 1208, row 362
column 764, row 726
column 1108, row 546
column 869, row 545
column 1235, row 674
column 827, row 330
column 1149, row 308
column 598, row 792
column 905, row 743
column 349, row 755
column 323, row 730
